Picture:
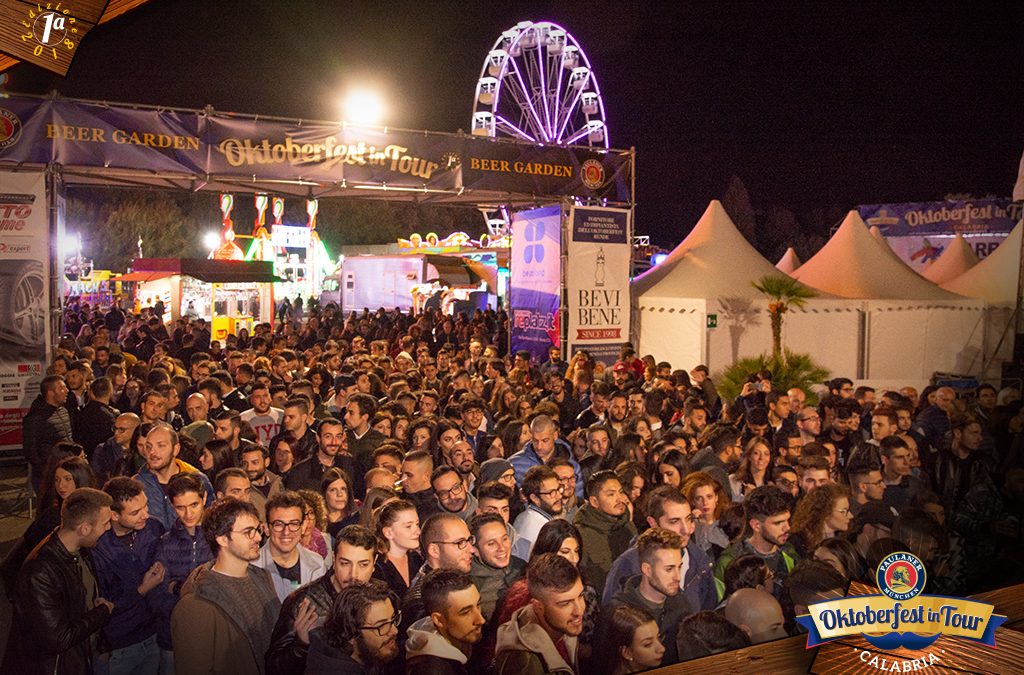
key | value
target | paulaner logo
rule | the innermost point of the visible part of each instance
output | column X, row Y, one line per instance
column 901, row 616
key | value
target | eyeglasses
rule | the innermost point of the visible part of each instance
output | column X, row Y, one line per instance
column 383, row 628
column 810, row 418
column 785, row 482
column 249, row 532
column 291, row 525
column 550, row 492
column 455, row 491
column 461, row 543
column 842, row 512
column 123, row 429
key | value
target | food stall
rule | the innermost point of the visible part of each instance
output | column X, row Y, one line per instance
column 230, row 294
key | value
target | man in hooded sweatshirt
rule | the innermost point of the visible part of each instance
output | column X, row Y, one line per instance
column 441, row 643
column 542, row 637
column 605, row 525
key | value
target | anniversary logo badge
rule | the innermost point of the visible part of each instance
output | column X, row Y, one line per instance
column 900, row 616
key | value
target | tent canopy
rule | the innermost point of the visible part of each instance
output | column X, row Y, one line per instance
column 954, row 261
column 210, row 271
column 853, row 264
column 995, row 278
column 714, row 261
column 789, row 261
column 880, row 238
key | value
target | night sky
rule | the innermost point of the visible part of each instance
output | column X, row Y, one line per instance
column 814, row 105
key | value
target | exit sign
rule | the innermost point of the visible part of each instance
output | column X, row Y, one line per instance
column 712, row 321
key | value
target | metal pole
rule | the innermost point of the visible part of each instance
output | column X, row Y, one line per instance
column 1018, row 343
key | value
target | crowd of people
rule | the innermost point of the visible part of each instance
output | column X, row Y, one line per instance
column 387, row 492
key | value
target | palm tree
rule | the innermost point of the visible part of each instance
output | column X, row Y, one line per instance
column 782, row 292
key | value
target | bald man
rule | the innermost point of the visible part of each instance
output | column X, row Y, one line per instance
column 756, row 613
column 199, row 429
column 114, row 456
column 797, row 400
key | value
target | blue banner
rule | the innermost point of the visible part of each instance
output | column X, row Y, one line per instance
column 535, row 295
column 978, row 216
column 219, row 151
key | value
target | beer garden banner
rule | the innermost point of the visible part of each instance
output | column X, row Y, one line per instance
column 597, row 281
column 920, row 232
column 97, row 143
column 24, row 297
column 536, row 283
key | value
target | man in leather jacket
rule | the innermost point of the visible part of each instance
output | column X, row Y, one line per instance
column 57, row 605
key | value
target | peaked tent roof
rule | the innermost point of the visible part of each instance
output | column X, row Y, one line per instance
column 994, row 278
column 853, row 264
column 880, row 238
column 789, row 261
column 954, row 261
column 714, row 261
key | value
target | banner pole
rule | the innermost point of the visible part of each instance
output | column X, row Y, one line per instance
column 563, row 309
column 1018, row 342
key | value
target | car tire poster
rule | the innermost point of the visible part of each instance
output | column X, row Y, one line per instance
column 597, row 281
column 24, row 297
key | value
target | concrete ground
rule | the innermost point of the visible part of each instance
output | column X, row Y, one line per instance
column 13, row 521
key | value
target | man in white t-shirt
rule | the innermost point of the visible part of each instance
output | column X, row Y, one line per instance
column 264, row 420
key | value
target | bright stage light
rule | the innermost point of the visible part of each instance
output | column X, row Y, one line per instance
column 211, row 240
column 363, row 107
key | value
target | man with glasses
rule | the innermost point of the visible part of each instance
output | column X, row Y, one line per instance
column 361, row 634
column 115, row 456
column 228, row 607
column 447, row 545
column 567, row 479
column 451, row 492
column 304, row 610
column 543, row 495
column 785, row 478
column 808, row 423
column 866, row 484
column 290, row 565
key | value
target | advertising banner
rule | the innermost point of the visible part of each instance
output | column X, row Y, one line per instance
column 919, row 232
column 535, row 295
column 597, row 281
column 240, row 150
column 24, row 299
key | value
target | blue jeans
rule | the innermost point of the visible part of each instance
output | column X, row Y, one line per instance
column 141, row 658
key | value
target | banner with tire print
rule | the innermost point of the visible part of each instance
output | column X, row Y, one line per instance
column 24, row 297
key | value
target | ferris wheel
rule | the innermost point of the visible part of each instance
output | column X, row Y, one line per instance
column 537, row 85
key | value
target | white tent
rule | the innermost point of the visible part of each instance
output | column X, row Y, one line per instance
column 788, row 262
column 853, row 264
column 880, row 238
column 994, row 280
column 912, row 327
column 698, row 305
column 954, row 261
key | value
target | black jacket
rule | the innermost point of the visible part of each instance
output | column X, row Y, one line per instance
column 306, row 474
column 53, row 627
column 95, row 425
column 43, row 427
column 287, row 656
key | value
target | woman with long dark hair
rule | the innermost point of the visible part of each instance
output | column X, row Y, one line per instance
column 215, row 457
column 629, row 643
column 342, row 510
column 63, row 478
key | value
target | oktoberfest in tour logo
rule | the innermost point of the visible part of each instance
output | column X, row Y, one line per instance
column 901, row 616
